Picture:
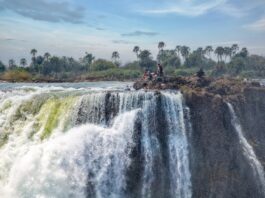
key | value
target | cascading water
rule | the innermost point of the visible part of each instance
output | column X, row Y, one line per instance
column 248, row 150
column 87, row 143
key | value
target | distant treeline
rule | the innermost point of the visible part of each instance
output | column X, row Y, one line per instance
column 229, row 61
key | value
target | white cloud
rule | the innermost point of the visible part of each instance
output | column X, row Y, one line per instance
column 188, row 8
column 258, row 25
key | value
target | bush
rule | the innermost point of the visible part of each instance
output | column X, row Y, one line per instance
column 186, row 71
column 16, row 75
column 100, row 65
column 115, row 74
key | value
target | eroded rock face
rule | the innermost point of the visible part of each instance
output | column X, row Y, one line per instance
column 218, row 166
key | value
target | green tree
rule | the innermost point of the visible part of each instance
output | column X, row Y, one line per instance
column 234, row 49
column 146, row 60
column 208, row 50
column 178, row 50
column 23, row 62
column 88, row 59
column 11, row 63
column 101, row 64
column 47, row 55
column 2, row 67
column 136, row 50
column 185, row 51
column 161, row 45
column 115, row 56
column 219, row 51
column 227, row 52
column 33, row 53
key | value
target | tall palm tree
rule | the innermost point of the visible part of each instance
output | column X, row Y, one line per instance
column 161, row 45
column 11, row 63
column 185, row 51
column 208, row 50
column 33, row 52
column 200, row 52
column 115, row 56
column 23, row 62
column 136, row 50
column 235, row 49
column 178, row 50
column 89, row 60
column 47, row 55
column 227, row 52
column 219, row 51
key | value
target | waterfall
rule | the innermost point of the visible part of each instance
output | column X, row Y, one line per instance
column 248, row 150
column 93, row 143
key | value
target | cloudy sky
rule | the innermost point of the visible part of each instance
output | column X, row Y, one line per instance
column 73, row 27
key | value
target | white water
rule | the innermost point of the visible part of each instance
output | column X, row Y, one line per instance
column 248, row 150
column 61, row 145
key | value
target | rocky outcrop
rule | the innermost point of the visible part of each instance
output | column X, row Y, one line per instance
column 218, row 165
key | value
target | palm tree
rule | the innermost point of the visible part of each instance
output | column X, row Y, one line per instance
column 235, row 49
column 185, row 51
column 23, row 62
column 115, row 56
column 219, row 51
column 33, row 52
column 200, row 52
column 208, row 50
column 178, row 50
column 11, row 63
column 161, row 45
column 227, row 52
column 47, row 55
column 89, row 60
column 136, row 50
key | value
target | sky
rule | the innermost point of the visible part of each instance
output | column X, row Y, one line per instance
column 73, row 27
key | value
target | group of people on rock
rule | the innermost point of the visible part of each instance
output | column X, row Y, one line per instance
column 148, row 75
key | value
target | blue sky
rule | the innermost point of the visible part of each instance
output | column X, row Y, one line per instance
column 73, row 27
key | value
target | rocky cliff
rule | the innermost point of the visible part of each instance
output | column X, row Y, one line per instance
column 219, row 166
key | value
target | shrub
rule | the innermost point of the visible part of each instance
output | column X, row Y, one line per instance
column 100, row 65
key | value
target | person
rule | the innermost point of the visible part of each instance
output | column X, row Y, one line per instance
column 145, row 74
column 160, row 70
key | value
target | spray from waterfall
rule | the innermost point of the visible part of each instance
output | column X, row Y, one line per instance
column 248, row 150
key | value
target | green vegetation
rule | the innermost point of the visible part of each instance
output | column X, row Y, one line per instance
column 181, row 61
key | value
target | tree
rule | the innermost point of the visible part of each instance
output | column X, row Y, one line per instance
column 2, row 67
column 219, row 51
column 244, row 52
column 101, row 64
column 227, row 52
column 11, row 63
column 185, row 51
column 208, row 50
column 234, row 49
column 169, row 59
column 146, row 59
column 161, row 45
column 23, row 62
column 115, row 56
column 47, row 55
column 178, row 50
column 33, row 52
column 88, row 59
column 136, row 50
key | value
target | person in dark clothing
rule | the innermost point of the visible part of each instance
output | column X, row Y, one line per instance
column 160, row 72
column 200, row 73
